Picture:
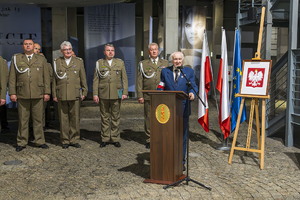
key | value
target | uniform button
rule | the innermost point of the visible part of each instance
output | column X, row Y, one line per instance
column 30, row 81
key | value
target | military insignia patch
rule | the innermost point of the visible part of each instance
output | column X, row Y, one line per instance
column 22, row 63
column 103, row 66
column 161, row 67
column 74, row 66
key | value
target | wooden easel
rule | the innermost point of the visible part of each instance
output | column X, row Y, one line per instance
column 254, row 105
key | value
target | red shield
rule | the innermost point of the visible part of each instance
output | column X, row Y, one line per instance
column 255, row 77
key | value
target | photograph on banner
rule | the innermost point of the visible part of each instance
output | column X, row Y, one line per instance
column 192, row 23
column 109, row 24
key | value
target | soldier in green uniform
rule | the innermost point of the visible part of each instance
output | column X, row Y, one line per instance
column 3, row 89
column 148, row 78
column 29, row 85
column 109, row 77
column 37, row 50
column 3, row 86
column 68, row 86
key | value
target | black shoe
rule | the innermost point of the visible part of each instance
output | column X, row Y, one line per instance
column 43, row 146
column 103, row 144
column 148, row 145
column 65, row 146
column 76, row 145
column 117, row 144
column 183, row 168
column 20, row 148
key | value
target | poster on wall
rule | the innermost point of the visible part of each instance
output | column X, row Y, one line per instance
column 114, row 24
column 14, row 27
column 191, row 25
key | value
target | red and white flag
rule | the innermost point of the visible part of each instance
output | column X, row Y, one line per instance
column 204, row 85
column 222, row 86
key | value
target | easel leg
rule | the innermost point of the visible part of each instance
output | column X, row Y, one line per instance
column 236, row 130
column 250, row 124
column 257, row 126
column 263, row 118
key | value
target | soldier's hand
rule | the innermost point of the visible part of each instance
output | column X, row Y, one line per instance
column 55, row 99
column 46, row 97
column 96, row 99
column 124, row 97
column 13, row 98
column 82, row 98
column 191, row 96
column 141, row 100
column 2, row 102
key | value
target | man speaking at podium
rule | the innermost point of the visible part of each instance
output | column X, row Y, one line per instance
column 172, row 79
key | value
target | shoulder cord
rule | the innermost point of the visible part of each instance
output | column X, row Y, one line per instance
column 21, row 72
column 142, row 71
column 99, row 74
column 60, row 77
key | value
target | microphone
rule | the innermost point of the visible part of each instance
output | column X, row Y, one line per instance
column 179, row 67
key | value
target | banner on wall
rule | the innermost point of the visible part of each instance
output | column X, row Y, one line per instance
column 114, row 24
column 191, row 25
column 17, row 25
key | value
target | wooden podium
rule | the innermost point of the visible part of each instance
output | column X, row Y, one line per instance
column 166, row 141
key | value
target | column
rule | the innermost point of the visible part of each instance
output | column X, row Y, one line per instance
column 171, row 14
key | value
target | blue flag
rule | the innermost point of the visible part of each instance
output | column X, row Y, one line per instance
column 237, row 76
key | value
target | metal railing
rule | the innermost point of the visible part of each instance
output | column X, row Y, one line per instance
column 276, row 105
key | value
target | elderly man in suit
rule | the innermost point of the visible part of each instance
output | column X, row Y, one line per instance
column 148, row 78
column 109, row 78
column 172, row 79
column 68, row 86
column 29, row 85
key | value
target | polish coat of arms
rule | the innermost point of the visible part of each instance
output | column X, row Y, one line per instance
column 255, row 77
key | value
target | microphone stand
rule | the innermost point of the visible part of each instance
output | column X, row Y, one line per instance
column 187, row 178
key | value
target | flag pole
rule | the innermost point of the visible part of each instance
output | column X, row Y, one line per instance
column 224, row 146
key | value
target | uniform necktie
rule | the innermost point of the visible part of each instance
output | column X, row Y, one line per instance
column 29, row 58
column 176, row 77
column 154, row 62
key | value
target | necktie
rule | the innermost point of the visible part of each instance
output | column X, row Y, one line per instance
column 154, row 62
column 176, row 77
column 29, row 57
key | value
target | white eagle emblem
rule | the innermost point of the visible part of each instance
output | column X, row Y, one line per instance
column 255, row 78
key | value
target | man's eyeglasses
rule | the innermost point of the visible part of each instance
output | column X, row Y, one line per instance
column 67, row 49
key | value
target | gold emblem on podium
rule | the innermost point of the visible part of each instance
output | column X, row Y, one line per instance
column 162, row 113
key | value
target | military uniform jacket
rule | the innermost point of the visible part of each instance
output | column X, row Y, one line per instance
column 29, row 80
column 108, row 80
column 69, row 79
column 3, row 78
column 148, row 76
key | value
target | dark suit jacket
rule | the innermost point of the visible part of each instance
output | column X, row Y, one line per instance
column 168, row 83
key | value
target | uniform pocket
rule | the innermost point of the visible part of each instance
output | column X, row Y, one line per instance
column 19, row 88
column 41, row 87
column 77, row 91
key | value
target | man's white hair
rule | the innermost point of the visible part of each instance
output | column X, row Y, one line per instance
column 174, row 54
column 152, row 44
column 65, row 43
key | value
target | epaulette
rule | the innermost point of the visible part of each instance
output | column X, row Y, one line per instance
column 56, row 58
column 40, row 55
column 17, row 54
column 119, row 59
column 78, row 58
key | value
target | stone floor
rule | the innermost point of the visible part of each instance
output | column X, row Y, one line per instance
column 118, row 173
